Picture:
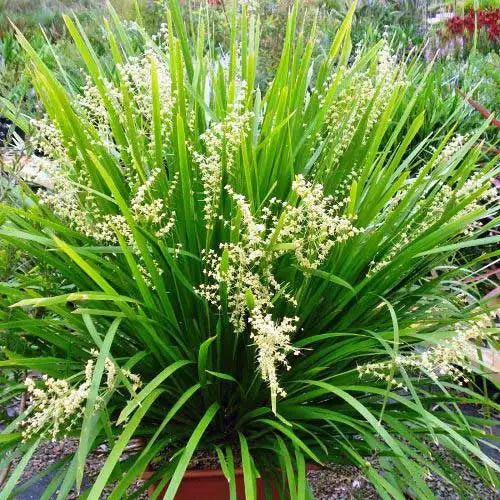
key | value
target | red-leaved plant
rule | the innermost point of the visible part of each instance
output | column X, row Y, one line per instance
column 485, row 19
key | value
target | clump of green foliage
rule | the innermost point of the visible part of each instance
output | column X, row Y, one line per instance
column 268, row 271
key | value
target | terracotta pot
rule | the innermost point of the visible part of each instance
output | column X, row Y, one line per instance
column 210, row 485
column 213, row 485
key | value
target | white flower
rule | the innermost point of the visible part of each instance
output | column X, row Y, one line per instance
column 451, row 357
column 222, row 141
column 309, row 228
column 58, row 406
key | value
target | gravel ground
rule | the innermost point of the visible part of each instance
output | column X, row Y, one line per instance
column 335, row 482
column 340, row 482
column 49, row 453
column 346, row 482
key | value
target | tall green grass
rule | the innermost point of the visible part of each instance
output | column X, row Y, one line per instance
column 277, row 266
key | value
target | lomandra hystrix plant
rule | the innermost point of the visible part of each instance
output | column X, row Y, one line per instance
column 259, row 274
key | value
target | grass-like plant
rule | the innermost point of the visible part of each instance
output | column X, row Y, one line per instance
column 267, row 274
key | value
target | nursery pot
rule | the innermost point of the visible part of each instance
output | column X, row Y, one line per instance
column 212, row 485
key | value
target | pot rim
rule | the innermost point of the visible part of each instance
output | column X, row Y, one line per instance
column 202, row 473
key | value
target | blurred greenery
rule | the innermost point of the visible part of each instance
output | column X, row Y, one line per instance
column 478, row 76
column 42, row 23
column 478, row 4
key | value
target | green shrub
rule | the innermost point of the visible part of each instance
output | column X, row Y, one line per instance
column 269, row 274
column 477, row 4
column 400, row 21
column 441, row 103
column 29, row 15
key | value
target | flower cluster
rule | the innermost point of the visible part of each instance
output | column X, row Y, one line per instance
column 72, row 196
column 449, row 358
column 315, row 225
column 415, row 228
column 58, row 405
column 454, row 145
column 133, row 92
column 222, row 141
column 432, row 212
column 160, row 38
column 246, row 273
column 155, row 211
column 309, row 227
column 272, row 339
column 90, row 106
column 474, row 184
column 78, row 206
column 366, row 95
column 486, row 198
